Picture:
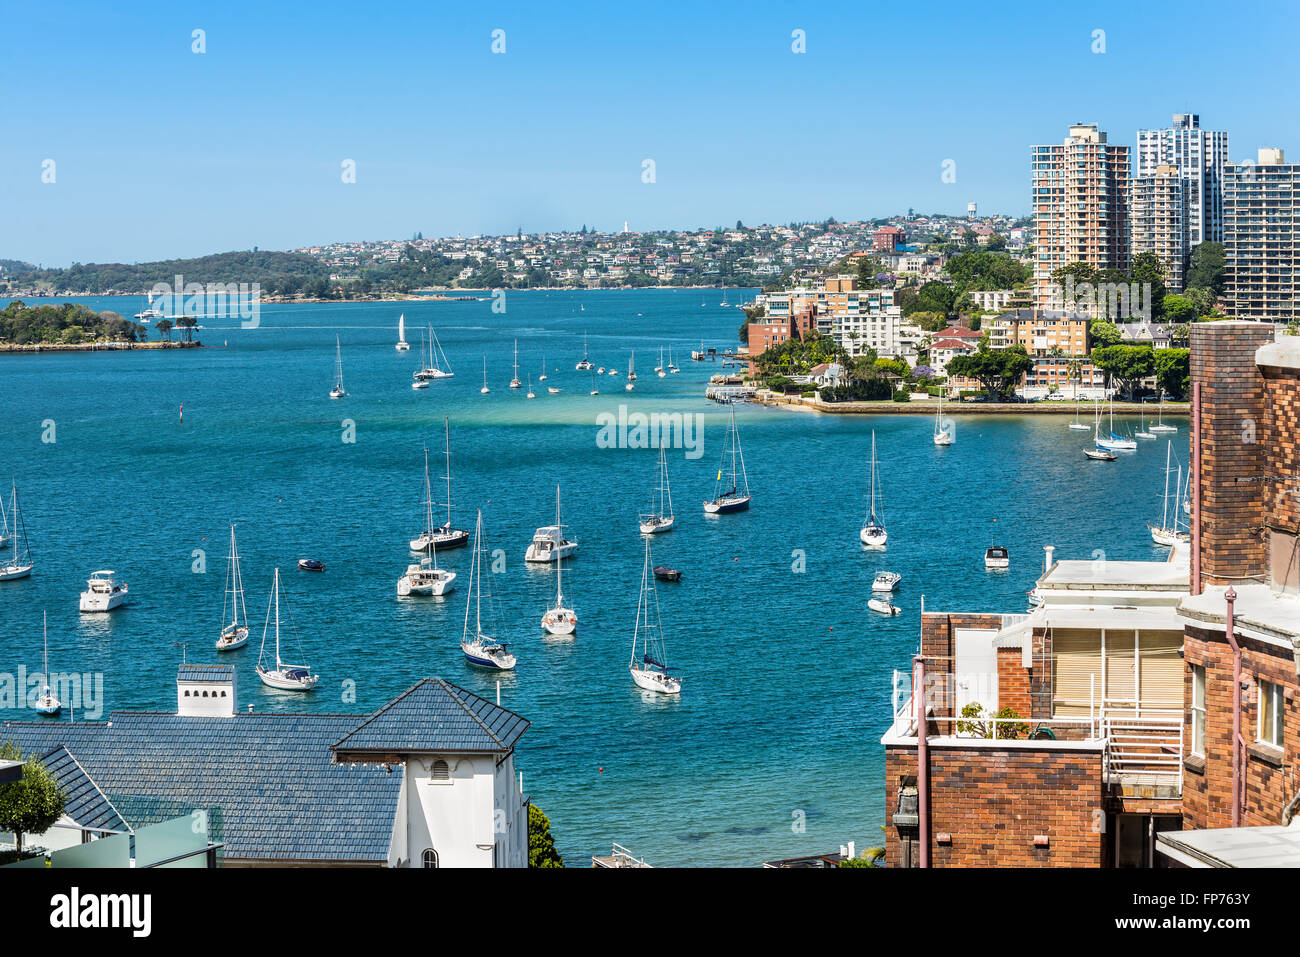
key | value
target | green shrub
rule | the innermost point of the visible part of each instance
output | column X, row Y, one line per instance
column 902, row 395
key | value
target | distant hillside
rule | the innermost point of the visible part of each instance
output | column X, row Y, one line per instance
column 10, row 266
column 101, row 279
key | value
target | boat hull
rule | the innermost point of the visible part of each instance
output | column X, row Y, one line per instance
column 285, row 682
column 560, row 622
column 882, row 607
column 721, row 505
column 544, row 556
column 873, row 537
column 307, row 565
column 657, row 525
column 481, row 659
column 232, row 638
column 665, row 574
column 440, row 540
column 656, row 681
column 92, row 603
column 12, row 572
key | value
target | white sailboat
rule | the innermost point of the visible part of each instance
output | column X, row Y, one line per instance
column 559, row 620
column 46, row 702
column 514, row 380
column 20, row 562
column 284, row 676
column 484, row 390
column 672, row 366
column 649, row 663
column 402, row 345
column 1167, row 533
column 941, row 435
column 585, row 364
column 1160, row 425
column 549, row 543
column 1142, row 432
column 873, row 534
column 594, row 390
column 442, row 536
column 734, row 499
column 631, row 367
column 531, row 393
column 1114, row 442
column 434, row 364
column 660, row 367
column 1076, row 425
column 660, row 518
column 479, row 647
column 542, row 377
column 1098, row 453
column 337, row 392
column 234, row 627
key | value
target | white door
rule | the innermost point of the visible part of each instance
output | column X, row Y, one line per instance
column 975, row 668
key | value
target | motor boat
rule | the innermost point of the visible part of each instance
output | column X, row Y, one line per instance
column 882, row 606
column 666, row 574
column 103, row 592
column 548, row 544
column 310, row 565
column 886, row 581
column 996, row 556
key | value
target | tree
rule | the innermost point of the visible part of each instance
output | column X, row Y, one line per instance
column 1104, row 333
column 165, row 329
column 541, row 846
column 1148, row 269
column 1126, row 365
column 187, row 323
column 1173, row 371
column 1179, row 310
column 1074, row 370
column 1207, row 268
column 32, row 804
column 997, row 371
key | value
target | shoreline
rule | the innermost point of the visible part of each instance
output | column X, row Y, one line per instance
column 95, row 346
column 889, row 407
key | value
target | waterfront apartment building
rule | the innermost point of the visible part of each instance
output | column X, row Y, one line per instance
column 1260, row 238
column 887, row 239
column 858, row 319
column 1080, row 205
column 1153, row 707
column 1158, row 213
column 1199, row 157
column 1056, row 341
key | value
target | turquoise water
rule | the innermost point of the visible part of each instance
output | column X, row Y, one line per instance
column 786, row 674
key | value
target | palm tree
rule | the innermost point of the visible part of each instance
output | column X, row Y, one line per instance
column 1074, row 370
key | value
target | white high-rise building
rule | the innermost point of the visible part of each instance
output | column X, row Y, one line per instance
column 1199, row 155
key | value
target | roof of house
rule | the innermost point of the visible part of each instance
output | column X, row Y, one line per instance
column 958, row 332
column 188, row 672
column 951, row 344
column 274, row 777
column 83, row 801
column 435, row 716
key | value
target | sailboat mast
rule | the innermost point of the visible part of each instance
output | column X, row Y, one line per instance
column 446, row 425
column 428, row 498
column 873, row 476
column 1164, row 515
column 277, row 619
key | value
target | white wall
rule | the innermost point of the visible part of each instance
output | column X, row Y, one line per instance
column 475, row 818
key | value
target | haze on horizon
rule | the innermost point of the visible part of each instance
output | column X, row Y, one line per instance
column 161, row 152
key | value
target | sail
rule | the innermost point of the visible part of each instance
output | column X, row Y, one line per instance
column 401, row 328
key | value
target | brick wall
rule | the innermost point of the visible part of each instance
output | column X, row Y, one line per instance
column 1013, row 682
column 1234, row 439
column 1271, row 779
column 993, row 802
column 938, row 646
column 1282, row 402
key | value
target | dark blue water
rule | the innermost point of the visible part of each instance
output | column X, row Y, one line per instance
column 786, row 674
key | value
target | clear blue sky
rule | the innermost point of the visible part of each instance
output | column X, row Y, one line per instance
column 164, row 153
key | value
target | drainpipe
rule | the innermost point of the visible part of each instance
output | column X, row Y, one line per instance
column 1196, row 488
column 922, row 761
column 1231, row 596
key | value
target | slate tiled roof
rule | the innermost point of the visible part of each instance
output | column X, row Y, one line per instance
column 280, row 796
column 205, row 673
column 83, row 801
column 435, row 716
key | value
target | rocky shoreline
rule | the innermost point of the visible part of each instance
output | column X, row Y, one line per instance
column 95, row 346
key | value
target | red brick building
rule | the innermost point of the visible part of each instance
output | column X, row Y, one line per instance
column 1151, row 707
column 887, row 239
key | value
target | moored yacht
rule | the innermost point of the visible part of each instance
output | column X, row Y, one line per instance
column 996, row 556
column 442, row 536
column 479, row 647
column 730, row 494
column 885, row 581
column 103, row 592
column 549, row 543
column 872, row 533
column 585, row 364
column 425, row 578
column 47, row 701
column 649, row 664
column 283, row 676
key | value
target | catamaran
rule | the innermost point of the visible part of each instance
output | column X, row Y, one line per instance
column 514, row 380
column 479, row 647
column 549, row 543
column 426, row 578
column 1167, row 533
column 559, row 620
column 46, row 702
column 941, row 435
column 284, row 676
column 733, row 499
column 402, row 344
column 20, row 562
column 337, row 392
column 235, row 634
column 103, row 592
column 649, row 664
column 585, row 364
column 873, row 534
column 1160, row 417
column 441, row 536
column 434, row 365
column 1115, row 443
column 660, row 518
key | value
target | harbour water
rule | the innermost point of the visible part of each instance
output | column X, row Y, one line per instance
column 771, row 750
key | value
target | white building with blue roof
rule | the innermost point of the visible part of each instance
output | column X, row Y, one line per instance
column 428, row 780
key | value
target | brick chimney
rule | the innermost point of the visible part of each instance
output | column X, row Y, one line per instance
column 1235, row 439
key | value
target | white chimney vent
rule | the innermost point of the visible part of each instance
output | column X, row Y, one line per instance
column 206, row 691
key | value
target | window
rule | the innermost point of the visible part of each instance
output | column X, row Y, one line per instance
column 1270, row 713
column 440, row 771
column 429, row 858
column 1198, row 709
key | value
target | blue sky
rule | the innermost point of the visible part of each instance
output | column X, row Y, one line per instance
column 161, row 153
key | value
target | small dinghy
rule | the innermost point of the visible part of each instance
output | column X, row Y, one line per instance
column 882, row 606
column 310, row 565
column 666, row 574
